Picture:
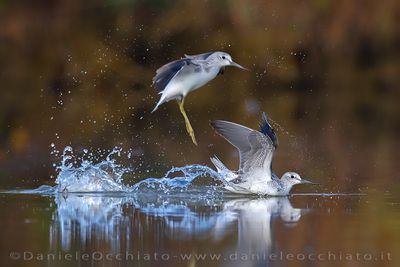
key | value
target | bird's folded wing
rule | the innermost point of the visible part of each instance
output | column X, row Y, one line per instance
column 167, row 72
column 203, row 56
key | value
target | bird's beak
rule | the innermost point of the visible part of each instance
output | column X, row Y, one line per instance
column 234, row 64
column 303, row 181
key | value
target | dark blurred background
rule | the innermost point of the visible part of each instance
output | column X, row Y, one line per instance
column 79, row 73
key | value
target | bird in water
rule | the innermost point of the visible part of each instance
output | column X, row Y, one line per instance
column 256, row 150
column 176, row 79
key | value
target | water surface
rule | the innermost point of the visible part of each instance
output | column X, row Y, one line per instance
column 116, row 229
column 91, row 216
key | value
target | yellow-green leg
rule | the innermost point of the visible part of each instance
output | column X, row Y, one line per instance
column 189, row 128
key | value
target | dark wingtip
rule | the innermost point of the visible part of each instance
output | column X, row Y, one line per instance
column 266, row 129
column 214, row 125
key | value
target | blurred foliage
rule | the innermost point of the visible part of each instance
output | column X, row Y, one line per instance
column 79, row 73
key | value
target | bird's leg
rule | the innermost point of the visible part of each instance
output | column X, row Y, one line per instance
column 189, row 128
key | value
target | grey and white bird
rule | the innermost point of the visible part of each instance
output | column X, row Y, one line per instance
column 256, row 150
column 178, row 78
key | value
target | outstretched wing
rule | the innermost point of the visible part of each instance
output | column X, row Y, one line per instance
column 235, row 134
column 167, row 72
column 255, row 148
column 266, row 128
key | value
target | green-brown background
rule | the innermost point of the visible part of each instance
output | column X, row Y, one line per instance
column 79, row 73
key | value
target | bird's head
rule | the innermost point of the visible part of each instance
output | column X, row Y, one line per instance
column 291, row 178
column 223, row 59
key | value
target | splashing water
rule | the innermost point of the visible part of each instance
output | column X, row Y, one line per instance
column 176, row 184
column 82, row 174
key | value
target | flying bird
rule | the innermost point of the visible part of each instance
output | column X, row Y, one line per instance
column 178, row 78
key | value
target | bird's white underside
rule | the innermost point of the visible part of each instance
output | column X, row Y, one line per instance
column 181, row 85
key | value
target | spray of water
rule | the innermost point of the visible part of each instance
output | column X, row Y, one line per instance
column 86, row 173
column 83, row 175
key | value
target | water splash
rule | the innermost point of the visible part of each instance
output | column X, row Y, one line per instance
column 87, row 173
column 178, row 184
column 82, row 174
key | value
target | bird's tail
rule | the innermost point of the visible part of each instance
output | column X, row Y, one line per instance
column 223, row 170
column 218, row 164
column 161, row 101
column 154, row 109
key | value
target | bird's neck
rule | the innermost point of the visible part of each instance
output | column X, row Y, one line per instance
column 214, row 70
column 287, row 185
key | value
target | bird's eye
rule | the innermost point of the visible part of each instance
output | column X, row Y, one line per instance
column 223, row 57
column 291, row 176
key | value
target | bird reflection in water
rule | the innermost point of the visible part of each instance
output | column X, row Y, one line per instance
column 130, row 224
